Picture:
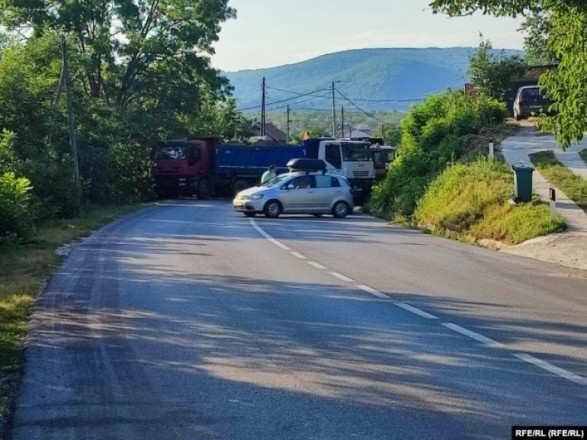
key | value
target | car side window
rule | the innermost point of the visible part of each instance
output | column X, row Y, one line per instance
column 301, row 182
column 327, row 182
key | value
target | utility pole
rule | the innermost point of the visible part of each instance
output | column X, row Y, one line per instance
column 71, row 122
column 333, row 113
column 263, row 107
column 288, row 121
column 342, row 121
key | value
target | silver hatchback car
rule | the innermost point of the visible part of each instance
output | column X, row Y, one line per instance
column 297, row 192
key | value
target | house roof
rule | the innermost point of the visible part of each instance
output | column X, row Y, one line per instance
column 271, row 131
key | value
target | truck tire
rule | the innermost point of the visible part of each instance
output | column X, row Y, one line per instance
column 205, row 189
column 341, row 209
column 272, row 209
column 238, row 185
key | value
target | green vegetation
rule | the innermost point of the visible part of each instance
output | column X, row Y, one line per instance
column 127, row 95
column 492, row 74
column 470, row 201
column 23, row 269
column 561, row 28
column 319, row 123
column 574, row 187
column 441, row 181
column 431, row 138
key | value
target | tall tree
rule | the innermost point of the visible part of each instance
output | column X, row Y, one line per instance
column 537, row 27
column 492, row 74
column 125, row 43
column 566, row 40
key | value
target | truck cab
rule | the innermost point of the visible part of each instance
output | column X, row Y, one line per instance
column 351, row 159
column 184, row 167
column 382, row 156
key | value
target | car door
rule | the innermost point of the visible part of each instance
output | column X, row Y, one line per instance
column 297, row 195
column 327, row 190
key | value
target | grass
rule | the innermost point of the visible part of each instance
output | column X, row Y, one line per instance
column 24, row 268
column 574, row 187
column 471, row 202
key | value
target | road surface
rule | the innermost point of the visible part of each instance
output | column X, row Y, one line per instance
column 189, row 321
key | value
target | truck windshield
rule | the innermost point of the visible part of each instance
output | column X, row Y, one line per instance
column 170, row 152
column 356, row 151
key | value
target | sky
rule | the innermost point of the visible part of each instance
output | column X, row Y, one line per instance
column 269, row 33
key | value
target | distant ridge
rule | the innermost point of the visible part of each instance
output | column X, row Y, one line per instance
column 372, row 79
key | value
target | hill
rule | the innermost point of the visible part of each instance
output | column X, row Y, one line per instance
column 372, row 79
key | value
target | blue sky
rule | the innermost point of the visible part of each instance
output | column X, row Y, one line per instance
column 270, row 33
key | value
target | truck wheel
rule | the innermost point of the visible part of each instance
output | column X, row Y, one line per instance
column 340, row 209
column 238, row 185
column 205, row 189
column 272, row 209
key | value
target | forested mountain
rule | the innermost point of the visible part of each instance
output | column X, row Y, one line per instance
column 372, row 79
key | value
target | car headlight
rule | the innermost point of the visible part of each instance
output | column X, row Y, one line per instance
column 255, row 196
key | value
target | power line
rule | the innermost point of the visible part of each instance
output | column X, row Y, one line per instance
column 359, row 108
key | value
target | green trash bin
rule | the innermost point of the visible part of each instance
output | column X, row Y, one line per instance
column 522, row 182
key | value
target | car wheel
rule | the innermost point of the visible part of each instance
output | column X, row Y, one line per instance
column 340, row 209
column 249, row 214
column 205, row 189
column 272, row 209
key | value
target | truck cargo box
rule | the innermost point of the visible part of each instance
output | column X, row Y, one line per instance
column 241, row 159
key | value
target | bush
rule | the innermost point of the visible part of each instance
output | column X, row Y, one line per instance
column 472, row 201
column 432, row 134
column 16, row 217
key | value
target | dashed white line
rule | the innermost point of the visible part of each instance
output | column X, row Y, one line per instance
column 342, row 277
column 457, row 328
column 316, row 265
column 551, row 368
column 476, row 336
column 373, row 292
column 417, row 311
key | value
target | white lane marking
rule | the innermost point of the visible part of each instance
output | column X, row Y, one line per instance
column 415, row 310
column 267, row 236
column 316, row 265
column 551, row 368
column 476, row 336
column 457, row 328
column 342, row 277
column 373, row 292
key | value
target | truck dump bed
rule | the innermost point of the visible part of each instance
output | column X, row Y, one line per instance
column 249, row 160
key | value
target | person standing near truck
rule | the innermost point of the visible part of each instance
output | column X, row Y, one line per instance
column 269, row 174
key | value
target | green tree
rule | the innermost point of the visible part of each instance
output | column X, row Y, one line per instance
column 537, row 27
column 125, row 46
column 492, row 74
column 566, row 40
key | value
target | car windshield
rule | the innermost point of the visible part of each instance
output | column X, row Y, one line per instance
column 275, row 181
column 170, row 152
column 356, row 152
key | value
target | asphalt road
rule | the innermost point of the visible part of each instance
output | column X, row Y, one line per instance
column 189, row 321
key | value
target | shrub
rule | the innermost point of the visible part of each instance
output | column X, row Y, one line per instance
column 431, row 140
column 472, row 201
column 16, row 218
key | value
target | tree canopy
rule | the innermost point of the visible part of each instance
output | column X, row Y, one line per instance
column 565, row 26
column 140, row 72
column 492, row 74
